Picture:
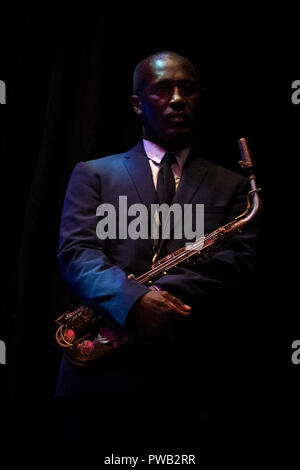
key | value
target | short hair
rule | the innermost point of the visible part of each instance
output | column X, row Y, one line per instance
column 138, row 79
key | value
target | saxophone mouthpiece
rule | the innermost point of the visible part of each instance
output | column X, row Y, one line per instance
column 247, row 162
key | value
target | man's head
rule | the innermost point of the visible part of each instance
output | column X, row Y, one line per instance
column 166, row 95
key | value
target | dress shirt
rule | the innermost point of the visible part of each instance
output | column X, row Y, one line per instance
column 155, row 154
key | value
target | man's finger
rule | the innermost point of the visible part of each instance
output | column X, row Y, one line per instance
column 177, row 302
column 180, row 304
column 180, row 311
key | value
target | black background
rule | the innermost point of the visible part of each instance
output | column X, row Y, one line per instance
column 68, row 77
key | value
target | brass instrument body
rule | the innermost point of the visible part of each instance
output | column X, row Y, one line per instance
column 84, row 336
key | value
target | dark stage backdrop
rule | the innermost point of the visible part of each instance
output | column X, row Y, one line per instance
column 68, row 83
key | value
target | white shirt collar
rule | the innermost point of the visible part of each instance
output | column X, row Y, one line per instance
column 156, row 152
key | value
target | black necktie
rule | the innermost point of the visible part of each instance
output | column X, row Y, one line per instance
column 165, row 180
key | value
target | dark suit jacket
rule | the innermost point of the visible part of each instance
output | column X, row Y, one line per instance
column 97, row 271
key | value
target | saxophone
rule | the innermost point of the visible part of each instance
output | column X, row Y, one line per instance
column 85, row 336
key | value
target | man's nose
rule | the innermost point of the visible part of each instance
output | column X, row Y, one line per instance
column 177, row 98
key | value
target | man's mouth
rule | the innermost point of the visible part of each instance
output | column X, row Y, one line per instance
column 180, row 118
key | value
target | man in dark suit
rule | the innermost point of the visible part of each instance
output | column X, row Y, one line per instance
column 187, row 331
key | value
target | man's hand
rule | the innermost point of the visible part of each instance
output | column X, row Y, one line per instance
column 152, row 313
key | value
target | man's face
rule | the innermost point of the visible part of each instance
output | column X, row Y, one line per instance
column 168, row 101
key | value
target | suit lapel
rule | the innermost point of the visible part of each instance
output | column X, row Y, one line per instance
column 193, row 173
column 138, row 168
column 137, row 165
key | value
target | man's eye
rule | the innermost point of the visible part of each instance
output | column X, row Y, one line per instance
column 163, row 89
column 188, row 89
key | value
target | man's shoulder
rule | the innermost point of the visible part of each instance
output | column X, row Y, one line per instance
column 114, row 161
column 105, row 161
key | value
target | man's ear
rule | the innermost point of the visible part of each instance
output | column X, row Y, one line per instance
column 136, row 104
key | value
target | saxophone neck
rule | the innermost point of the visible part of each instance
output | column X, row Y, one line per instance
column 254, row 202
column 253, row 206
column 254, row 194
